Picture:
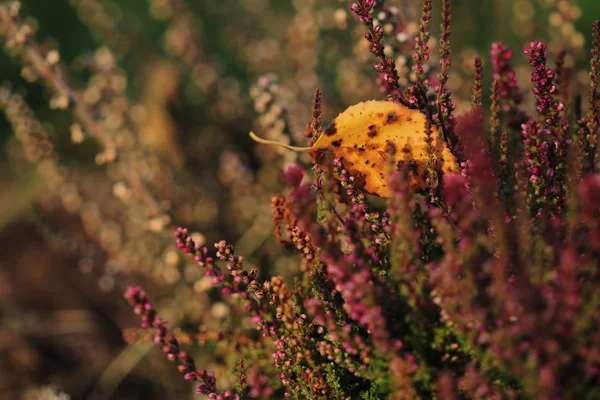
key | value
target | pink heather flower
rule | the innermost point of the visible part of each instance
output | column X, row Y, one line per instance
column 293, row 175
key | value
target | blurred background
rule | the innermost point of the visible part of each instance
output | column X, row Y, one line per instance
column 178, row 84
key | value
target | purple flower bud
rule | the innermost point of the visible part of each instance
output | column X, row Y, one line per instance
column 293, row 175
column 190, row 376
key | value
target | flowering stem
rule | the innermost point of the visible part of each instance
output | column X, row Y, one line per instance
column 142, row 306
column 387, row 66
column 593, row 95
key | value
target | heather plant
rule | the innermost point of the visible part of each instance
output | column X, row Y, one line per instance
column 483, row 287
column 481, row 283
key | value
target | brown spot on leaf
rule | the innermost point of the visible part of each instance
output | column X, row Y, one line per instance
column 331, row 130
column 360, row 180
column 412, row 167
column 372, row 131
column 391, row 118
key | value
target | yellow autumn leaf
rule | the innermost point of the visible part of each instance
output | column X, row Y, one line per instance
column 361, row 135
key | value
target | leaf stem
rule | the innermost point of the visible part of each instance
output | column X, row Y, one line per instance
column 285, row 146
